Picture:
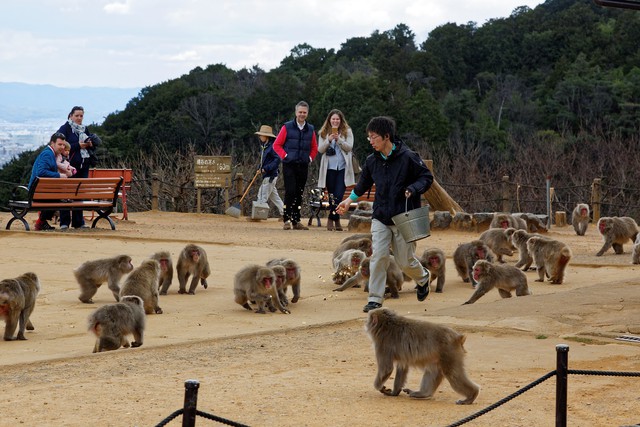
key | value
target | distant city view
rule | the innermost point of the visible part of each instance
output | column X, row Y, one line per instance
column 18, row 137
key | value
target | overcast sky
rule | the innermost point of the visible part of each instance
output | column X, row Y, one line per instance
column 137, row 43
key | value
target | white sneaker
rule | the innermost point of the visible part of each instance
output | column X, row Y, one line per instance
column 64, row 227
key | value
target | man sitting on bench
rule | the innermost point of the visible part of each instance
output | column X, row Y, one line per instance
column 46, row 166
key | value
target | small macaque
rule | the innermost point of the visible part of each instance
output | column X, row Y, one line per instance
column 346, row 265
column 112, row 323
column 281, row 280
column 364, row 244
column 395, row 278
column 534, row 223
column 519, row 239
column 467, row 254
column 357, row 236
column 192, row 262
column 435, row 349
column 166, row 271
column 551, row 258
column 257, row 283
column 293, row 276
column 635, row 252
column 433, row 259
column 580, row 218
column 92, row 274
column 616, row 231
column 17, row 301
column 506, row 278
column 499, row 241
column 143, row 282
column 504, row 221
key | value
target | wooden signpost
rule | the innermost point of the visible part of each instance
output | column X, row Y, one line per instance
column 212, row 172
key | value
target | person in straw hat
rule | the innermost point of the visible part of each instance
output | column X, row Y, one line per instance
column 269, row 164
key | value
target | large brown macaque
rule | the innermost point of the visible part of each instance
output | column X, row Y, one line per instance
column 364, row 244
column 506, row 278
column 433, row 259
column 112, row 323
column 395, row 278
column 435, row 349
column 192, row 262
column 551, row 258
column 467, row 254
column 580, row 218
column 143, row 282
column 166, row 271
column 257, row 283
column 346, row 265
column 17, row 301
column 293, row 276
column 92, row 274
column 504, row 221
column 616, row 231
column 499, row 241
column 357, row 236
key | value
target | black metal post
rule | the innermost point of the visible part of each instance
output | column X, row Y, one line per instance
column 562, row 366
column 190, row 403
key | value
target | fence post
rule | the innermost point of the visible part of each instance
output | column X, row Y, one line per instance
column 239, row 186
column 596, row 198
column 190, row 403
column 548, row 202
column 506, row 200
column 562, row 366
column 155, row 190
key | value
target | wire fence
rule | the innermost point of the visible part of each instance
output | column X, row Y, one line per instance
column 561, row 373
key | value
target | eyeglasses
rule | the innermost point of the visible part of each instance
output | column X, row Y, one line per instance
column 371, row 138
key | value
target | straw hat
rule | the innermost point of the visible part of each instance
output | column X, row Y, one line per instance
column 266, row 131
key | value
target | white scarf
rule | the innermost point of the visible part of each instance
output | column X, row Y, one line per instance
column 80, row 131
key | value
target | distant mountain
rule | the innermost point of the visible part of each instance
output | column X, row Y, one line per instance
column 27, row 103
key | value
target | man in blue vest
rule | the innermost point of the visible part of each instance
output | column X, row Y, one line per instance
column 297, row 146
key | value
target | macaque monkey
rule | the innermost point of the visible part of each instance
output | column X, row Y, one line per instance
column 499, row 241
column 281, row 280
column 580, row 218
column 357, row 236
column 143, row 282
column 616, row 231
column 436, row 349
column 551, row 258
column 635, row 253
column 192, row 262
column 346, row 265
column 257, row 283
column 504, row 221
column 534, row 223
column 467, row 254
column 395, row 278
column 519, row 239
column 17, row 301
column 166, row 271
column 364, row 244
column 506, row 278
column 91, row 274
column 293, row 276
column 433, row 259
column 112, row 323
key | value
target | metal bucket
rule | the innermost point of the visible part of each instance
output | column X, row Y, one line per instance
column 413, row 224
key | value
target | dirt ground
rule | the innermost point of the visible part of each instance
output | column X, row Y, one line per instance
column 314, row 367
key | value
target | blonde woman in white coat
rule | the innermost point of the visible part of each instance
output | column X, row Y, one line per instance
column 335, row 143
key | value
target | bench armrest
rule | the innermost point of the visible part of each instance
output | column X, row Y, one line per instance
column 17, row 190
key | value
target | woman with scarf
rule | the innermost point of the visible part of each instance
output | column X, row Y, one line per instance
column 82, row 142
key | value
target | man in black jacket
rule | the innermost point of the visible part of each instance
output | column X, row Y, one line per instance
column 400, row 177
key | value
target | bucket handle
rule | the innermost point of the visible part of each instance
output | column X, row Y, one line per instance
column 406, row 205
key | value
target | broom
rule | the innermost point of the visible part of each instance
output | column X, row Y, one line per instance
column 234, row 210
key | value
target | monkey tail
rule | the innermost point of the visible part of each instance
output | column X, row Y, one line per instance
column 565, row 256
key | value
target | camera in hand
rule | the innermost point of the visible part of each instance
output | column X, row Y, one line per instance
column 331, row 151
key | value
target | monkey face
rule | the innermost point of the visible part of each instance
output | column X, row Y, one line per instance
column 583, row 212
column 355, row 261
column 480, row 252
column 164, row 264
column 602, row 226
column 267, row 282
column 504, row 224
column 476, row 273
column 434, row 261
column 291, row 273
column 195, row 255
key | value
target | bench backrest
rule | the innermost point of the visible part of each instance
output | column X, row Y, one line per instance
column 75, row 189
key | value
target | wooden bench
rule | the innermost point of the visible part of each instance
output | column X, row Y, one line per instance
column 90, row 194
column 319, row 201
column 126, row 174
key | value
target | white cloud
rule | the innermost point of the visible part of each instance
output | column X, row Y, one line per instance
column 117, row 8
